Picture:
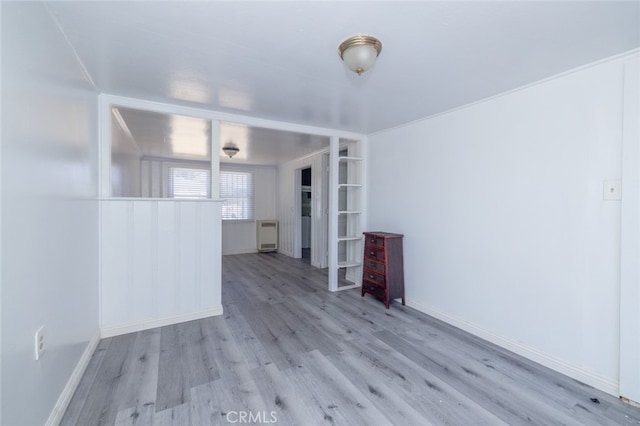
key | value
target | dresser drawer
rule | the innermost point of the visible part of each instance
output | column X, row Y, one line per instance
column 373, row 278
column 372, row 289
column 374, row 240
column 373, row 265
column 373, row 252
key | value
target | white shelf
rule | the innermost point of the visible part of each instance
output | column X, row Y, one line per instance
column 348, row 287
column 348, row 238
column 348, row 264
column 350, row 158
column 349, row 212
column 349, row 185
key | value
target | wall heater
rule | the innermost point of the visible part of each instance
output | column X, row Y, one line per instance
column 267, row 235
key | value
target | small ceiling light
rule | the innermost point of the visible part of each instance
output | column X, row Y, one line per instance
column 359, row 52
column 230, row 150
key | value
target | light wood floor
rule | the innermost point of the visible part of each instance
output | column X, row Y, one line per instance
column 287, row 350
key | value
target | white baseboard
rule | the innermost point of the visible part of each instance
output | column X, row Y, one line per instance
column 67, row 392
column 132, row 327
column 239, row 251
column 287, row 253
column 592, row 379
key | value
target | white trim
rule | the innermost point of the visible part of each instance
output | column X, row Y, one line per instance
column 227, row 117
column 323, row 239
column 334, row 154
column 70, row 45
column 240, row 251
column 297, row 208
column 74, row 380
column 213, row 164
column 364, row 180
column 132, row 327
column 590, row 378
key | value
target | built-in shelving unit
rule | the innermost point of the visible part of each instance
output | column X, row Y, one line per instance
column 354, row 238
column 347, row 211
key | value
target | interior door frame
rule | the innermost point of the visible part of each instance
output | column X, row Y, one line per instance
column 297, row 207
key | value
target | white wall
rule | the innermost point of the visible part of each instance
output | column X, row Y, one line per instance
column 240, row 237
column 49, row 213
column 506, row 231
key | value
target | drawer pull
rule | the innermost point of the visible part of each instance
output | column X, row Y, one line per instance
column 373, row 240
column 372, row 253
column 371, row 276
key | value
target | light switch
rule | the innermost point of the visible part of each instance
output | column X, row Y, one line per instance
column 612, row 190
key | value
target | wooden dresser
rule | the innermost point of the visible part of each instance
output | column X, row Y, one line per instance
column 383, row 271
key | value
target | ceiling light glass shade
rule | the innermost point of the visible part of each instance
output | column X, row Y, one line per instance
column 359, row 52
column 230, row 150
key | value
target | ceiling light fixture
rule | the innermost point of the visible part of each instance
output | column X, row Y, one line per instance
column 230, row 150
column 359, row 52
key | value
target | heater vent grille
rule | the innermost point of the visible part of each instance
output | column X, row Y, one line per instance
column 267, row 235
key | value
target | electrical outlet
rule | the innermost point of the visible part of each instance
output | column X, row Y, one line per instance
column 612, row 190
column 39, row 342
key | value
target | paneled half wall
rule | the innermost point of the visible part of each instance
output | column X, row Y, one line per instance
column 159, row 263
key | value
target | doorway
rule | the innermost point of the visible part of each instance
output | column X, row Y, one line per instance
column 305, row 213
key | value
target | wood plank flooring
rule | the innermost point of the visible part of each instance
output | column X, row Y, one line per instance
column 287, row 351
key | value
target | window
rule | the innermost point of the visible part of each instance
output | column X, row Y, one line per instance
column 237, row 189
column 189, row 182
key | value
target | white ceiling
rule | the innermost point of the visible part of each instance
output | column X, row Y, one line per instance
column 267, row 146
column 160, row 135
column 278, row 60
column 171, row 136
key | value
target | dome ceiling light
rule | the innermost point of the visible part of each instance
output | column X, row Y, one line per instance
column 230, row 150
column 359, row 52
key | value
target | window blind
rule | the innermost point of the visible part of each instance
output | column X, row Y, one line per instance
column 237, row 189
column 187, row 182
